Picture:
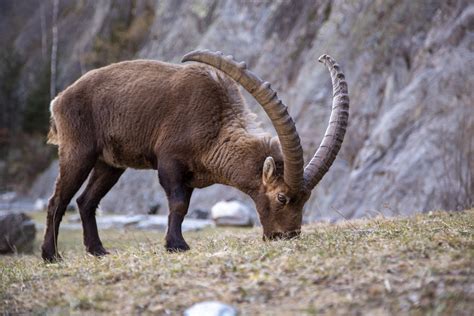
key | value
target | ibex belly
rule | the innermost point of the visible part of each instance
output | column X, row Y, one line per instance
column 120, row 154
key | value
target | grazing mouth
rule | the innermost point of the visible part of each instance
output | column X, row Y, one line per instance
column 282, row 236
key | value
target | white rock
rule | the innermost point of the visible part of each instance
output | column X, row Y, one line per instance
column 210, row 308
column 231, row 213
column 145, row 222
column 160, row 222
column 8, row 196
column 40, row 204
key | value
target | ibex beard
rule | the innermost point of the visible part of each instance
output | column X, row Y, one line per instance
column 191, row 124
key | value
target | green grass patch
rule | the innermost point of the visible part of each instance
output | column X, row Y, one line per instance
column 418, row 265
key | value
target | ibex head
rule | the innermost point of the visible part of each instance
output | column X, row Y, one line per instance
column 281, row 196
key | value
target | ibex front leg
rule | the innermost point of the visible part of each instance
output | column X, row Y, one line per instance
column 172, row 175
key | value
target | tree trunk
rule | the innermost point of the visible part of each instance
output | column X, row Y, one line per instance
column 44, row 49
column 54, row 49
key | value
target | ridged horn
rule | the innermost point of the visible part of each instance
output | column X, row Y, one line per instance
column 275, row 109
column 331, row 143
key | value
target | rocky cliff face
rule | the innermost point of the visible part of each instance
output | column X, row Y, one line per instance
column 409, row 66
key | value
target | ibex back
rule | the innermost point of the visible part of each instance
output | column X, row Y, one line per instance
column 191, row 124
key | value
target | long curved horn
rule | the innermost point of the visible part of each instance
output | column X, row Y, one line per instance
column 331, row 143
column 275, row 109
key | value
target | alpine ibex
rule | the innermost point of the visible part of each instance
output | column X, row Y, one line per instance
column 190, row 123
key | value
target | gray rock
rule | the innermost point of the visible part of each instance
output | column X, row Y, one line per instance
column 7, row 197
column 40, row 205
column 140, row 221
column 15, row 203
column 198, row 213
column 17, row 233
column 161, row 223
column 210, row 308
column 232, row 213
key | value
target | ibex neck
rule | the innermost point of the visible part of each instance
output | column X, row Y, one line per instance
column 237, row 160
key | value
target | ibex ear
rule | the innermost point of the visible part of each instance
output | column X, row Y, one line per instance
column 269, row 170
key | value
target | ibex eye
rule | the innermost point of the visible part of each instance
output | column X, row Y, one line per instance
column 282, row 198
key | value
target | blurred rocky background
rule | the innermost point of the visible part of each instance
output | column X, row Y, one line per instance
column 409, row 65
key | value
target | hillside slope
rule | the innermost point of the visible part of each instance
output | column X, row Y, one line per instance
column 408, row 63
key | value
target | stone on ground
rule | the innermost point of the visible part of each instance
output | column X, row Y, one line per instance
column 17, row 233
column 210, row 308
column 232, row 213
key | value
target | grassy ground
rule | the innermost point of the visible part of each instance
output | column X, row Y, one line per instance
column 418, row 265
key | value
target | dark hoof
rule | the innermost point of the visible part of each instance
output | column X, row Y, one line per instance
column 50, row 257
column 177, row 246
column 98, row 251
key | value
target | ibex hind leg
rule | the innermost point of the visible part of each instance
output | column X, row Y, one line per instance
column 172, row 177
column 74, row 167
column 102, row 179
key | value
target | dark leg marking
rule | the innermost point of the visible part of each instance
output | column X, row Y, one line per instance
column 172, row 175
column 74, row 167
column 102, row 179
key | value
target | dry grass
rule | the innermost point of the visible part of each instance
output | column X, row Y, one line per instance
column 417, row 265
